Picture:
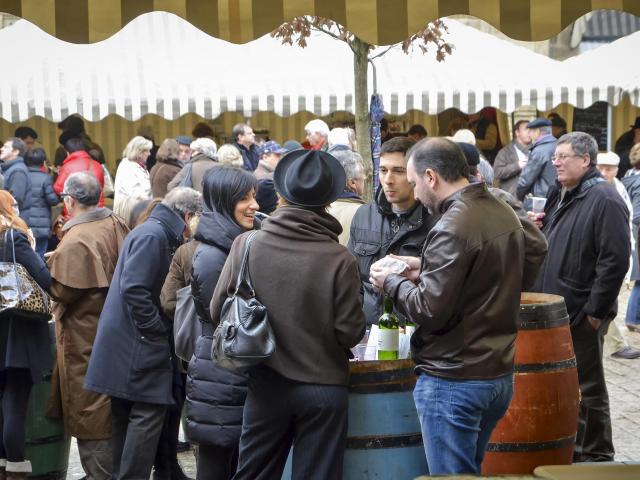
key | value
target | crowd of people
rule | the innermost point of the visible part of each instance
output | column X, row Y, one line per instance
column 456, row 210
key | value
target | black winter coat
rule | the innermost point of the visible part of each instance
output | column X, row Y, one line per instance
column 215, row 396
column 42, row 199
column 250, row 156
column 375, row 232
column 589, row 248
column 131, row 356
column 25, row 343
column 18, row 183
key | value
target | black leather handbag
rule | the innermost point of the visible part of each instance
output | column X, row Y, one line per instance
column 243, row 338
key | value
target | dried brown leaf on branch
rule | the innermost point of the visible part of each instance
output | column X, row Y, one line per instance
column 299, row 30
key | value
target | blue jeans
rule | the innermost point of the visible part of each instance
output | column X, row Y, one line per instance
column 457, row 418
column 633, row 307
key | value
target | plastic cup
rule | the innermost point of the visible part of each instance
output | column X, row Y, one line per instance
column 362, row 352
column 537, row 204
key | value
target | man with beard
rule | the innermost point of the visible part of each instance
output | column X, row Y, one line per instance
column 464, row 297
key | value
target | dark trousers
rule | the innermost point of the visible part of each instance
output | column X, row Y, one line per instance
column 15, row 387
column 167, row 453
column 594, row 439
column 216, row 463
column 278, row 413
column 136, row 428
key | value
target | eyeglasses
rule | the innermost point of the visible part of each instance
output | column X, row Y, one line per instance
column 562, row 157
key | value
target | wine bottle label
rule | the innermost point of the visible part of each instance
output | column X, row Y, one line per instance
column 388, row 339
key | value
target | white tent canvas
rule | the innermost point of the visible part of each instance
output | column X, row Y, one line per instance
column 163, row 65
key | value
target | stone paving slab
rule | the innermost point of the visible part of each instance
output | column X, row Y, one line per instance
column 623, row 381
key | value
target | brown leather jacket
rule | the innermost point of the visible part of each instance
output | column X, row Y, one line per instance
column 467, row 301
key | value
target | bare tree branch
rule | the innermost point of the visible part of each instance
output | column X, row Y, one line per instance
column 384, row 51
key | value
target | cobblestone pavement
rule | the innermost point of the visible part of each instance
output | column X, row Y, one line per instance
column 623, row 380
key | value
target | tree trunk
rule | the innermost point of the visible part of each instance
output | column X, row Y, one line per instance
column 363, row 120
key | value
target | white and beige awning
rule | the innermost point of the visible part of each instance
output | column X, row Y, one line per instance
column 160, row 64
column 379, row 22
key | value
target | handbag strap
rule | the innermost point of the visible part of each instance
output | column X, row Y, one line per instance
column 243, row 275
column 15, row 266
column 13, row 247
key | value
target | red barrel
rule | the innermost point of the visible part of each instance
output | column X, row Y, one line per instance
column 540, row 426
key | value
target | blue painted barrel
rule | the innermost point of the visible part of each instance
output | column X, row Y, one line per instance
column 384, row 439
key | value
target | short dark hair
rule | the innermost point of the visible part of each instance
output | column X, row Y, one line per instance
column 73, row 123
column 24, row 132
column 237, row 130
column 224, row 186
column 419, row 129
column 441, row 155
column 35, row 157
column 516, row 126
column 397, row 145
column 74, row 144
column 83, row 187
column 17, row 144
column 201, row 130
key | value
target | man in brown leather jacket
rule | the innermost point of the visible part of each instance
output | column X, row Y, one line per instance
column 464, row 295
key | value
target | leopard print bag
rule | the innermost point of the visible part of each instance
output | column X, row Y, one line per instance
column 20, row 294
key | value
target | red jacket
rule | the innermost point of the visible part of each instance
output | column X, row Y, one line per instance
column 75, row 162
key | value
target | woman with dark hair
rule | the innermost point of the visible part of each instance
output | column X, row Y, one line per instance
column 43, row 197
column 309, row 285
column 24, row 345
column 215, row 397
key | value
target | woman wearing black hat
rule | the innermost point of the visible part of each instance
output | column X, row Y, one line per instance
column 310, row 287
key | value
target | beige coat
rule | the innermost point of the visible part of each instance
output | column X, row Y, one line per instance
column 343, row 210
column 81, row 269
column 200, row 164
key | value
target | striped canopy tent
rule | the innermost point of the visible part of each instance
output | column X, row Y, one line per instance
column 606, row 73
column 160, row 64
column 379, row 22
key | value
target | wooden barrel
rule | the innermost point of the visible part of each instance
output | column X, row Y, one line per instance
column 384, row 439
column 540, row 425
column 47, row 446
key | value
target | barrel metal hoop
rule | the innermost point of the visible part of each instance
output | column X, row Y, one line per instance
column 543, row 324
column 545, row 367
column 400, row 380
column 46, row 440
column 370, row 442
column 381, row 376
column 404, row 386
column 531, row 446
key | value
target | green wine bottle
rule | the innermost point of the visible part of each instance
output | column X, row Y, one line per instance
column 388, row 333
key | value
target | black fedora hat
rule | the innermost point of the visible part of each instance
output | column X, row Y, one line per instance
column 309, row 178
column 637, row 124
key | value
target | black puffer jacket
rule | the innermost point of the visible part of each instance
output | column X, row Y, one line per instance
column 215, row 396
column 42, row 199
column 375, row 232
